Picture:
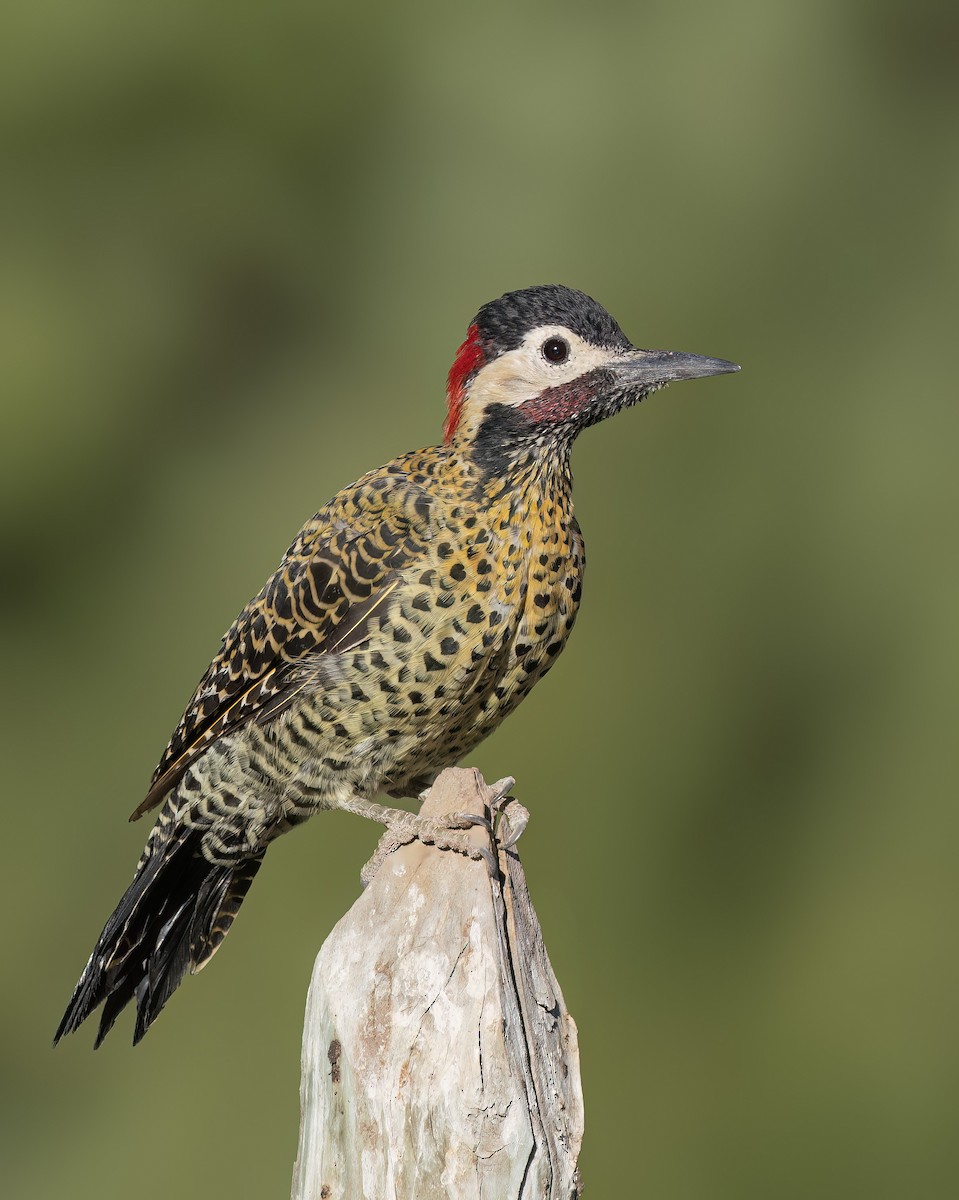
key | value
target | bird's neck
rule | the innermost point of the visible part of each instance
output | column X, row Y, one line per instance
column 525, row 477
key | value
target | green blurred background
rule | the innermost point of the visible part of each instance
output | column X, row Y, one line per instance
column 240, row 246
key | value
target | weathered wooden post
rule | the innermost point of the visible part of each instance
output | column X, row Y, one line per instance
column 438, row 1056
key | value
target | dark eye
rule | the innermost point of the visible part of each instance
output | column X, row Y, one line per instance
column 555, row 350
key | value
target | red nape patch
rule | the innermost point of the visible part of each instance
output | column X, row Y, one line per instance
column 469, row 359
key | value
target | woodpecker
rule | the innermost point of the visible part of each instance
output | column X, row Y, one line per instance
column 410, row 615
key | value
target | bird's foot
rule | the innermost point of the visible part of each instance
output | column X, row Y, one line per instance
column 451, row 833
column 510, row 817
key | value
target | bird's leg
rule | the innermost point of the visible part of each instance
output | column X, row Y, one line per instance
column 403, row 827
column 408, row 827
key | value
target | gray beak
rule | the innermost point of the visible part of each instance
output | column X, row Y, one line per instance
column 644, row 368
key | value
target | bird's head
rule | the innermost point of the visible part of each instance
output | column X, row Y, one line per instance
column 539, row 365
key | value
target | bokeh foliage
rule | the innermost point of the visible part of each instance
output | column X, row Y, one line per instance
column 240, row 244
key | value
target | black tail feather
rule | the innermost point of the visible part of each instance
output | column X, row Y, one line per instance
column 171, row 919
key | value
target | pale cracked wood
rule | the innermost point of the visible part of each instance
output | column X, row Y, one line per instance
column 438, row 1056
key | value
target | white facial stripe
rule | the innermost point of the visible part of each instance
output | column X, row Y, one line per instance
column 520, row 374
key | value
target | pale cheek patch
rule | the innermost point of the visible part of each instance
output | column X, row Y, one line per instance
column 521, row 375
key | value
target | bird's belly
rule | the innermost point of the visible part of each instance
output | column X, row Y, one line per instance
column 457, row 699
column 438, row 670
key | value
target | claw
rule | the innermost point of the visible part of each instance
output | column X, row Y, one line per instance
column 489, row 858
column 513, row 820
column 465, row 820
column 499, row 790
